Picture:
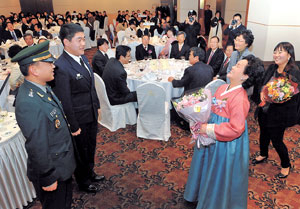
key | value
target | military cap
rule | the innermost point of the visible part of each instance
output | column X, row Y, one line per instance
column 39, row 52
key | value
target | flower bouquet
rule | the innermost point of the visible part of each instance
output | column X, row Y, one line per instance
column 194, row 107
column 278, row 90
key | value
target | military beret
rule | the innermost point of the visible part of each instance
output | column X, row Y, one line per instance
column 39, row 52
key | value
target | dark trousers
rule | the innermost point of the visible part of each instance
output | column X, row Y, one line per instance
column 86, row 145
column 61, row 198
column 274, row 134
column 207, row 27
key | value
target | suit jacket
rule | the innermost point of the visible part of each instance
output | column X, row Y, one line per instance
column 223, row 71
column 48, row 138
column 284, row 114
column 232, row 33
column 235, row 57
column 99, row 61
column 140, row 33
column 114, row 77
column 216, row 60
column 192, row 31
column 195, row 76
column 75, row 87
column 44, row 33
column 7, row 35
column 141, row 53
column 175, row 53
column 25, row 28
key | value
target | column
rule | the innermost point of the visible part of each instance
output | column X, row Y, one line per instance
column 274, row 21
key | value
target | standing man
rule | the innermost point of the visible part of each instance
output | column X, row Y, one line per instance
column 100, row 58
column 207, row 19
column 41, row 118
column 74, row 86
column 233, row 28
column 192, row 28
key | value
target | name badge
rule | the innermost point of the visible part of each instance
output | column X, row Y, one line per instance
column 78, row 76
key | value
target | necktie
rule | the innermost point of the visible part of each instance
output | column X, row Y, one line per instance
column 226, row 61
column 14, row 35
column 83, row 65
column 210, row 56
column 106, row 56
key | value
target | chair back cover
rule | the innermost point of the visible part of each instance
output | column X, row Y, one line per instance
column 154, row 115
column 106, row 23
column 214, row 85
column 86, row 31
column 121, row 35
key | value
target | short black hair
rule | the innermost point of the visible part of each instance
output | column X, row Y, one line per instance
column 216, row 38
column 237, row 14
column 247, row 35
column 101, row 41
column 68, row 31
column 146, row 34
column 172, row 29
column 122, row 50
column 39, row 26
column 198, row 52
column 13, row 50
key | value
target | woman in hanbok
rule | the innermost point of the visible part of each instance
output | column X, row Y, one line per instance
column 218, row 176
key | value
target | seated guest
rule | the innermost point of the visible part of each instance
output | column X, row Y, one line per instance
column 28, row 38
column 130, row 32
column 223, row 69
column 60, row 21
column 16, row 78
column 114, row 77
column 90, row 26
column 33, row 22
column 100, row 58
column 145, row 50
column 179, row 48
column 214, row 55
column 171, row 38
column 39, row 32
column 142, row 30
column 24, row 26
column 198, row 75
column 120, row 26
column 50, row 23
column 11, row 33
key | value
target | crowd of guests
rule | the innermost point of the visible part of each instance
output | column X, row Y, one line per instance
column 213, row 168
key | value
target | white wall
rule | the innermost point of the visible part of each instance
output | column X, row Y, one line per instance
column 110, row 6
column 7, row 6
column 184, row 6
column 273, row 25
column 233, row 7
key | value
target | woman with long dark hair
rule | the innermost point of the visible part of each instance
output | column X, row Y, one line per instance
column 274, row 118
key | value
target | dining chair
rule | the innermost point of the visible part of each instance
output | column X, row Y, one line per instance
column 154, row 115
column 113, row 117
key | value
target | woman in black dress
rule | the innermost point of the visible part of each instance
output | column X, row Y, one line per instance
column 274, row 118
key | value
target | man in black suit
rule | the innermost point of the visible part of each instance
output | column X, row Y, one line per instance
column 39, row 32
column 74, row 86
column 145, row 50
column 223, row 69
column 198, row 75
column 179, row 49
column 214, row 55
column 100, row 58
column 24, row 26
column 233, row 28
column 192, row 28
column 28, row 38
column 51, row 160
column 114, row 77
column 11, row 33
column 207, row 19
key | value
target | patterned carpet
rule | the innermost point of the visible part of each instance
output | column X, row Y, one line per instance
column 152, row 174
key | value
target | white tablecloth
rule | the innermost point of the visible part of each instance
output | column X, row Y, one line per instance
column 156, row 42
column 16, row 189
column 56, row 47
column 156, row 71
column 4, row 94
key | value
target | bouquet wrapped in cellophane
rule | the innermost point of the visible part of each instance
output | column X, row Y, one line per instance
column 279, row 90
column 194, row 107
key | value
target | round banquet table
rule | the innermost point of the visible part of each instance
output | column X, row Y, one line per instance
column 4, row 94
column 157, row 70
column 157, row 42
column 56, row 48
column 16, row 189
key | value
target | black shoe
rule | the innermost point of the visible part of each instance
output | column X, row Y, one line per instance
column 96, row 178
column 90, row 188
column 282, row 176
column 254, row 161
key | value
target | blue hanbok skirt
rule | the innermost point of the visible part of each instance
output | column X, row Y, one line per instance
column 218, row 177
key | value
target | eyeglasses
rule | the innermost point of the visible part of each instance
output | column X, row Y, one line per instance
column 239, row 40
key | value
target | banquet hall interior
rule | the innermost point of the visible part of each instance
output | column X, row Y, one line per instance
column 142, row 171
